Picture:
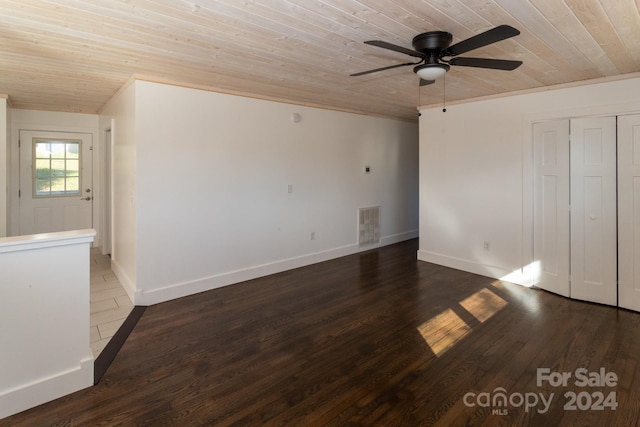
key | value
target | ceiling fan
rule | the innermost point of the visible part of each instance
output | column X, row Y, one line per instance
column 433, row 50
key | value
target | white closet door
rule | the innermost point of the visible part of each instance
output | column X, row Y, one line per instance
column 551, row 205
column 629, row 211
column 593, row 210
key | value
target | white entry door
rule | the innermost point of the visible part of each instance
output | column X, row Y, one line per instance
column 593, row 210
column 551, row 205
column 629, row 211
column 55, row 181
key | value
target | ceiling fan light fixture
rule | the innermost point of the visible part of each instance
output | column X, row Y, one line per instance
column 431, row 71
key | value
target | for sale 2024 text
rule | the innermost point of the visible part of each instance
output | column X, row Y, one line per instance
column 593, row 397
column 586, row 400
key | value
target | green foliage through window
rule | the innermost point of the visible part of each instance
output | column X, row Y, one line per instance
column 57, row 167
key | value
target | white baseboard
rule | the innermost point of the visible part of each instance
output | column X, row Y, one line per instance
column 397, row 238
column 179, row 290
column 492, row 271
column 46, row 389
column 126, row 282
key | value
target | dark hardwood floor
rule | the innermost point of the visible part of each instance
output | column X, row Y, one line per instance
column 373, row 339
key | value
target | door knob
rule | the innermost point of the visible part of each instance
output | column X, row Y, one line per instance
column 86, row 198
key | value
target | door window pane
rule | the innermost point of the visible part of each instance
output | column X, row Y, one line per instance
column 57, row 167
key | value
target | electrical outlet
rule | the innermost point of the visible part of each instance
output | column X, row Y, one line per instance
column 290, row 188
column 487, row 246
column 313, row 235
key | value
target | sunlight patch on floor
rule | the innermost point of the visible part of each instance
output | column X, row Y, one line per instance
column 443, row 331
column 446, row 329
column 483, row 304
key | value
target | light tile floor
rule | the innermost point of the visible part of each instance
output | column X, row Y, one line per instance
column 110, row 304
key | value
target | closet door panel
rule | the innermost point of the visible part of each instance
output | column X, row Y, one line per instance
column 551, row 205
column 629, row 211
column 593, row 210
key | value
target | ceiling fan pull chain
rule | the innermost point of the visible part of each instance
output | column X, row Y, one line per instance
column 444, row 93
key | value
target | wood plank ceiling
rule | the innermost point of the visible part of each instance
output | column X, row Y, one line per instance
column 73, row 55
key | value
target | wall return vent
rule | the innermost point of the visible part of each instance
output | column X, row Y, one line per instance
column 369, row 225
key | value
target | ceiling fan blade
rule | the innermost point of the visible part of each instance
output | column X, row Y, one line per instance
column 395, row 48
column 426, row 82
column 494, row 64
column 493, row 35
column 361, row 73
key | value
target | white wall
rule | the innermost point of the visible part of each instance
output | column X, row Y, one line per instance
column 49, row 121
column 119, row 115
column 212, row 171
column 475, row 173
column 44, row 318
column 5, row 125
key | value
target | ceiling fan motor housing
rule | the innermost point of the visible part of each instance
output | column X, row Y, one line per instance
column 433, row 40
